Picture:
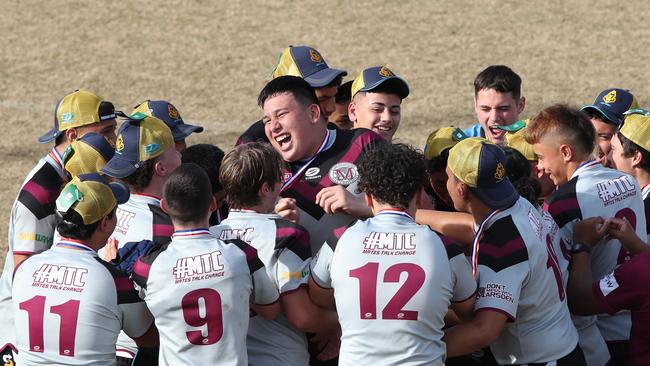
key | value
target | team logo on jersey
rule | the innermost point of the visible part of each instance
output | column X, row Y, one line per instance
column 344, row 173
column 198, row 267
column 312, row 173
column 499, row 172
column 385, row 72
column 315, row 56
column 119, row 143
column 610, row 97
column 173, row 113
column 286, row 176
column 380, row 243
column 60, row 277
column 616, row 190
column 241, row 234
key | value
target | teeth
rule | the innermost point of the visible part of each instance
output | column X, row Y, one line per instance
column 280, row 139
column 383, row 128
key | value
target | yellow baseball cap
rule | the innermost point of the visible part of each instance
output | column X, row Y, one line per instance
column 482, row 166
column 88, row 154
column 636, row 128
column 516, row 141
column 78, row 109
column 91, row 196
column 442, row 139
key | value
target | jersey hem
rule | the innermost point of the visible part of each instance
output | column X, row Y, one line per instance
column 595, row 289
column 510, row 317
column 467, row 298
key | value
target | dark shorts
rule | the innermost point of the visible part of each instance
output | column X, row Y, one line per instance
column 575, row 358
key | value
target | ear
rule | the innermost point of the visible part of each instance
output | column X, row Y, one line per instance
column 368, row 198
column 163, row 206
column 159, row 168
column 352, row 111
column 567, row 152
column 314, row 113
column 265, row 189
column 105, row 224
column 463, row 190
column 214, row 205
column 71, row 134
column 637, row 159
column 521, row 105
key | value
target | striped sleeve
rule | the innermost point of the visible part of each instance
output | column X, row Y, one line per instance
column 143, row 264
column 563, row 204
column 162, row 225
column 126, row 293
column 264, row 290
column 294, row 255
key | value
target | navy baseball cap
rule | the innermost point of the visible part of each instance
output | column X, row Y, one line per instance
column 482, row 166
column 612, row 103
column 166, row 112
column 307, row 63
column 139, row 139
column 373, row 77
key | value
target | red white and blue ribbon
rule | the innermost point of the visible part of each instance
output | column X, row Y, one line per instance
column 477, row 239
column 56, row 156
column 75, row 245
column 396, row 212
column 286, row 185
column 190, row 232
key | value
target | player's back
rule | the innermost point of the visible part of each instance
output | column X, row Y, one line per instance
column 284, row 249
column 198, row 288
column 66, row 303
column 392, row 288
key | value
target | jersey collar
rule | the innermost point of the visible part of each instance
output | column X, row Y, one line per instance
column 249, row 213
column 145, row 198
column 77, row 245
column 394, row 212
column 589, row 164
column 190, row 233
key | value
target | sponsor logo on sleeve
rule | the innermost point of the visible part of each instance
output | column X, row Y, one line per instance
column 496, row 291
column 608, row 284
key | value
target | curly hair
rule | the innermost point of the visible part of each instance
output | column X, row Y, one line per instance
column 392, row 174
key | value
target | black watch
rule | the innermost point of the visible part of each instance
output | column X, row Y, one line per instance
column 579, row 247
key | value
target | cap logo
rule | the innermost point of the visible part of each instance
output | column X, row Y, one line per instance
column 458, row 135
column 173, row 113
column 315, row 56
column 151, row 148
column 385, row 72
column 610, row 97
column 119, row 143
column 67, row 117
column 499, row 172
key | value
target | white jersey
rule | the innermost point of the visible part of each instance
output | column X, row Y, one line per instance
column 198, row 288
column 31, row 228
column 518, row 276
column 140, row 218
column 392, row 287
column 594, row 190
column 463, row 283
column 284, row 249
column 70, row 305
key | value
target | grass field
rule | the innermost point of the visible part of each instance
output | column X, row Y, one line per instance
column 211, row 58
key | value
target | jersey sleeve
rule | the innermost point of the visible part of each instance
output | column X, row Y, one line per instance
column 294, row 255
column 461, row 272
column 264, row 290
column 502, row 268
column 322, row 262
column 163, row 228
column 142, row 262
column 31, row 234
column 622, row 289
column 134, row 314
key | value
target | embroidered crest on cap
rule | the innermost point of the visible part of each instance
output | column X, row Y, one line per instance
column 67, row 117
column 385, row 72
column 119, row 143
column 610, row 97
column 173, row 113
column 500, row 172
column 344, row 173
column 315, row 56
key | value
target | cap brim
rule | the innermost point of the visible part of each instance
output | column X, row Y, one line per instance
column 49, row 136
column 120, row 191
column 397, row 83
column 118, row 167
column 609, row 116
column 500, row 195
column 324, row 77
column 182, row 131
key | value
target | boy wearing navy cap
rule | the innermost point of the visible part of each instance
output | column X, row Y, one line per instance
column 166, row 112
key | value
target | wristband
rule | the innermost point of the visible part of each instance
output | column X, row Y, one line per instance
column 579, row 248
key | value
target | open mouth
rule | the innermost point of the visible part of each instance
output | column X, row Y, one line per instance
column 383, row 129
column 496, row 132
column 283, row 140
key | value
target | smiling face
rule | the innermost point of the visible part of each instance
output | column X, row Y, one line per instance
column 552, row 161
column 295, row 130
column 493, row 109
column 618, row 159
column 604, row 131
column 380, row 112
column 326, row 98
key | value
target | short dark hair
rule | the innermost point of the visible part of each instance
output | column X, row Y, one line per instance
column 245, row 169
column 71, row 225
column 438, row 163
column 187, row 194
column 518, row 170
column 392, row 174
column 336, row 82
column 139, row 180
column 209, row 158
column 572, row 126
column 344, row 94
column 298, row 87
column 630, row 148
column 500, row 78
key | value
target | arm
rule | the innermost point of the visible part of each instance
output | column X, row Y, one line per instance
column 482, row 331
column 20, row 258
column 464, row 309
column 623, row 231
column 320, row 296
column 268, row 311
column 581, row 299
column 458, row 226
column 149, row 339
column 306, row 316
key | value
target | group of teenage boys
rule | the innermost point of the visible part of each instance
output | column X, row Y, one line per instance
column 317, row 240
